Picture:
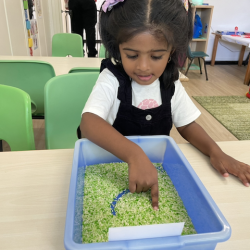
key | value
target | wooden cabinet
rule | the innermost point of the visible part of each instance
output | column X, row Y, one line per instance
column 200, row 44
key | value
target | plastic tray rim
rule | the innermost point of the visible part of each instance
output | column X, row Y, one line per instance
column 208, row 238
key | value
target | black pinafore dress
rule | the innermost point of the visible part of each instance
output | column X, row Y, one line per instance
column 131, row 120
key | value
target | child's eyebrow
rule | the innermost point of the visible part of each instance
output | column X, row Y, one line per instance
column 157, row 50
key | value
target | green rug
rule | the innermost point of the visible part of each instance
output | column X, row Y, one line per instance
column 233, row 112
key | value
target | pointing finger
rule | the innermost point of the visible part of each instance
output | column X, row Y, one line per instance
column 155, row 196
column 132, row 186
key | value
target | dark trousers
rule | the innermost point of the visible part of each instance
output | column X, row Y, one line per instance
column 85, row 19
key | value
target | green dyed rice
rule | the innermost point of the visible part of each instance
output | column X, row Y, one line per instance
column 103, row 182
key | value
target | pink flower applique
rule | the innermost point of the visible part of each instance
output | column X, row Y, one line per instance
column 148, row 104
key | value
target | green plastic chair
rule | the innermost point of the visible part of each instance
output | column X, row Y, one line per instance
column 64, row 44
column 16, row 126
column 82, row 69
column 197, row 54
column 30, row 76
column 102, row 52
column 65, row 98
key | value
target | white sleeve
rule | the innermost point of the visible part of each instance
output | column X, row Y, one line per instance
column 183, row 109
column 103, row 95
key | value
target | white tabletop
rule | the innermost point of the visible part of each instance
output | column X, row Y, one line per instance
column 34, row 189
column 62, row 65
column 237, row 39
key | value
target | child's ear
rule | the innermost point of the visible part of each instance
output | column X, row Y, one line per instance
column 117, row 58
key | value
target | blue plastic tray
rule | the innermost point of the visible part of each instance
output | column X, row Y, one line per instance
column 209, row 222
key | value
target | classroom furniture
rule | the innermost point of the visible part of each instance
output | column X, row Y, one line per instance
column 244, row 42
column 14, row 34
column 30, row 76
column 65, row 97
column 200, row 44
column 16, row 126
column 207, row 219
column 61, row 65
column 246, row 60
column 65, row 44
column 82, row 69
column 199, row 55
column 34, row 194
column 102, row 51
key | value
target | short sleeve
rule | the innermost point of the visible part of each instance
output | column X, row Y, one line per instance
column 103, row 95
column 184, row 110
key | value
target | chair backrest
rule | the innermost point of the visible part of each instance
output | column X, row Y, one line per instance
column 30, row 76
column 64, row 44
column 16, row 126
column 82, row 69
column 102, row 52
column 65, row 98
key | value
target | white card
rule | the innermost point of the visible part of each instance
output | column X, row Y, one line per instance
column 143, row 232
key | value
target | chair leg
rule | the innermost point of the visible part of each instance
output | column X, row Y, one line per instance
column 205, row 68
column 200, row 64
column 189, row 66
column 1, row 146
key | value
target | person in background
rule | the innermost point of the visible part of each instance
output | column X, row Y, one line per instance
column 84, row 17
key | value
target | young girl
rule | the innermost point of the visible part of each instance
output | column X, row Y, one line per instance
column 138, row 91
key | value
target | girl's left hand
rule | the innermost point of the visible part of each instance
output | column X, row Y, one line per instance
column 226, row 165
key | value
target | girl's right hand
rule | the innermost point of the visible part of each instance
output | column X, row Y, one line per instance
column 142, row 173
column 143, row 176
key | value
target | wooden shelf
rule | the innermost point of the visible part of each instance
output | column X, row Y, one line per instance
column 200, row 44
column 200, row 39
column 202, row 6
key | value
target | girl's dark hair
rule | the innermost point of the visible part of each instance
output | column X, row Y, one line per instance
column 166, row 18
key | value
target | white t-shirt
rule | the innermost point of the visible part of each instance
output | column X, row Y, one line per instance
column 103, row 100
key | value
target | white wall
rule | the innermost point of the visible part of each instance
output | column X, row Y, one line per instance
column 52, row 20
column 42, row 34
column 12, row 28
column 228, row 14
column 13, row 32
column 5, row 47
